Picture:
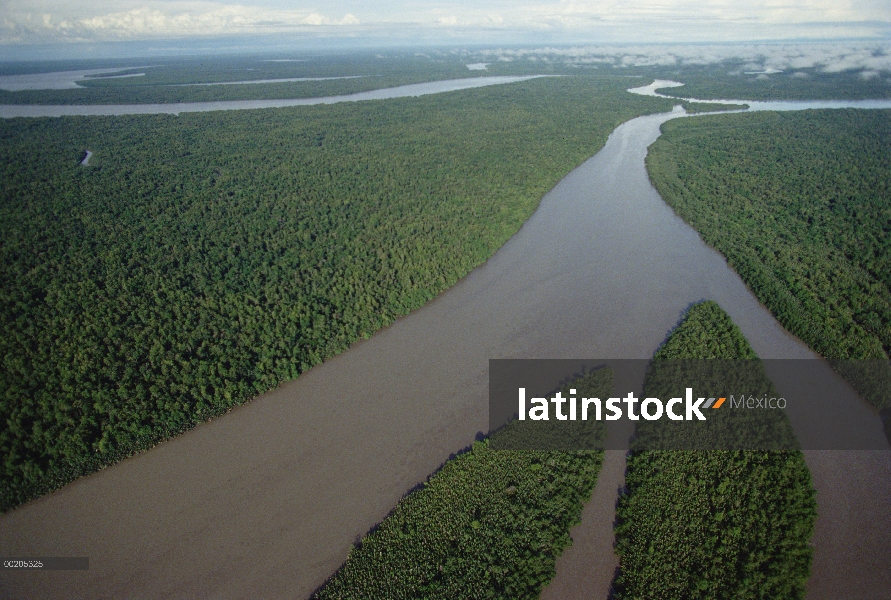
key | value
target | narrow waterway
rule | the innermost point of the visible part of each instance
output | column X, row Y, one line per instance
column 759, row 105
column 266, row 501
column 258, row 81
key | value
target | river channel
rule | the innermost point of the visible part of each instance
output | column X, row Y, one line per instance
column 267, row 500
column 8, row 111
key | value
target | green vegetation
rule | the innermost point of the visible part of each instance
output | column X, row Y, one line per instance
column 167, row 80
column 97, row 91
column 706, row 333
column 800, row 204
column 702, row 107
column 712, row 524
column 729, row 80
column 202, row 259
column 172, row 80
column 489, row 524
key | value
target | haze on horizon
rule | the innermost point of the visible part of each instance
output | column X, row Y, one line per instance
column 108, row 28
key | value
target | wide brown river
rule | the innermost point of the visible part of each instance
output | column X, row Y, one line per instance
column 266, row 500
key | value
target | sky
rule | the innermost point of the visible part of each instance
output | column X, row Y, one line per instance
column 25, row 23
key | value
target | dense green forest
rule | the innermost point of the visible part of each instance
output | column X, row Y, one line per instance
column 489, row 524
column 730, row 80
column 173, row 80
column 168, row 80
column 702, row 107
column 202, row 259
column 800, row 204
column 94, row 92
column 712, row 523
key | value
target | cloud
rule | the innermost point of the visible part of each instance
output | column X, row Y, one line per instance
column 195, row 19
column 22, row 21
column 582, row 15
column 829, row 57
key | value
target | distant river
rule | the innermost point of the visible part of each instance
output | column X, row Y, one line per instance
column 758, row 105
column 8, row 111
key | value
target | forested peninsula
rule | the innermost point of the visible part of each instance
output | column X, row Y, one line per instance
column 690, row 524
column 489, row 524
column 800, row 204
column 200, row 260
column 712, row 523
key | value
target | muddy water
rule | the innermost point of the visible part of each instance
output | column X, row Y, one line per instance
column 266, row 500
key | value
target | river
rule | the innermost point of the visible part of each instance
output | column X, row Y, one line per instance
column 760, row 105
column 267, row 500
column 8, row 111
column 60, row 80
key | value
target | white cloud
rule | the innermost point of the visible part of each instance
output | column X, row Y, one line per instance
column 579, row 15
column 159, row 21
column 830, row 57
column 565, row 20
